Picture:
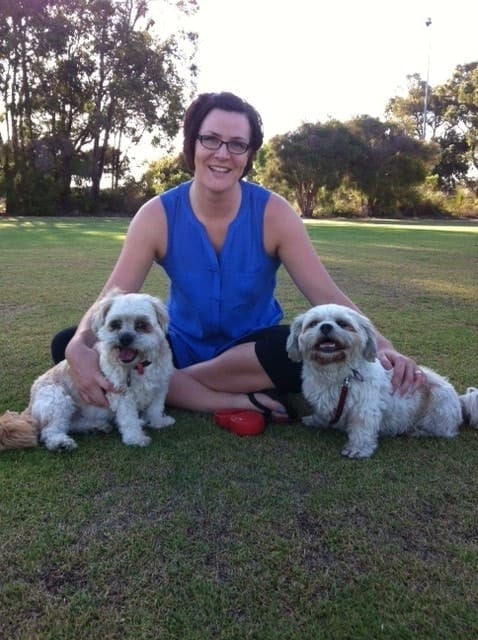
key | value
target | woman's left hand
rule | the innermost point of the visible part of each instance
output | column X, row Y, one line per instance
column 407, row 376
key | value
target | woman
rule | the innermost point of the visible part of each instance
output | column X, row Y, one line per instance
column 221, row 240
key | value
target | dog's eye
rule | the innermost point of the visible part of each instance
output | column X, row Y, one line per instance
column 311, row 324
column 345, row 325
column 142, row 326
column 115, row 325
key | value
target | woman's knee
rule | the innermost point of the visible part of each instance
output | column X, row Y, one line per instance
column 60, row 342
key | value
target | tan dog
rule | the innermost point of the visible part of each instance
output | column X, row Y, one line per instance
column 349, row 389
column 135, row 357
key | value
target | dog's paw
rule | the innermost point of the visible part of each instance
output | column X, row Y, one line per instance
column 164, row 421
column 136, row 440
column 313, row 421
column 353, row 451
column 59, row 443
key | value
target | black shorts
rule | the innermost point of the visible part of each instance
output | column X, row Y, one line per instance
column 270, row 345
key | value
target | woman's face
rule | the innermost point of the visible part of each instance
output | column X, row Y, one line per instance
column 220, row 169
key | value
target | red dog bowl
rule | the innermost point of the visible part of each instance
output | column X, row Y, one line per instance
column 241, row 422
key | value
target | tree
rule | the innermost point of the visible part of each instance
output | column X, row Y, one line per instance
column 408, row 112
column 267, row 172
column 452, row 119
column 164, row 174
column 314, row 156
column 78, row 77
column 452, row 167
column 460, row 105
column 390, row 164
column 17, row 89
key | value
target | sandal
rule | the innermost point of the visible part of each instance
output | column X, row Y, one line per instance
column 269, row 415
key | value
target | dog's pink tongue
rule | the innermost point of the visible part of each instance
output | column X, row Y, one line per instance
column 127, row 355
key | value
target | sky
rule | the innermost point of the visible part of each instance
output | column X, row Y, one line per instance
column 301, row 61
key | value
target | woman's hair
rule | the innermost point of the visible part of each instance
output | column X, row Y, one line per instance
column 199, row 109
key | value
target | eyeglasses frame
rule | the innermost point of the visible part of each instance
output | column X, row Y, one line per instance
column 223, row 142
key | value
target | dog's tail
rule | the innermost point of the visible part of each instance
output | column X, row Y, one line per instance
column 18, row 430
column 469, row 407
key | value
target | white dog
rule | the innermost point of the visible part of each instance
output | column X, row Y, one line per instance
column 135, row 357
column 348, row 388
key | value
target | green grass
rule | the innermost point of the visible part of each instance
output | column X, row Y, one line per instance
column 204, row 535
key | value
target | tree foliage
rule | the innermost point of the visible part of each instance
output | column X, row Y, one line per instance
column 266, row 171
column 375, row 158
column 314, row 156
column 77, row 79
column 410, row 113
column 452, row 122
column 164, row 174
column 460, row 107
column 390, row 164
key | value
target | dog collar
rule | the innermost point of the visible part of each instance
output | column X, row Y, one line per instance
column 139, row 368
column 343, row 394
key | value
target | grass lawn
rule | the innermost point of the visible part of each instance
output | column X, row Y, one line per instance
column 207, row 536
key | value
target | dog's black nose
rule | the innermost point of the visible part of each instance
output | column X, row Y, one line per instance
column 326, row 328
column 126, row 339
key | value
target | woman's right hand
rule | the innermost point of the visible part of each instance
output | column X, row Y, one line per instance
column 90, row 383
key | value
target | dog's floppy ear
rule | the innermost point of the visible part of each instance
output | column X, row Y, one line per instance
column 292, row 344
column 161, row 312
column 101, row 308
column 370, row 347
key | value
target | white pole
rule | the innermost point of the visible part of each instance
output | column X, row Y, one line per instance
column 428, row 22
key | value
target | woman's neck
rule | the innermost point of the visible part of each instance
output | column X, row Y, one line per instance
column 212, row 205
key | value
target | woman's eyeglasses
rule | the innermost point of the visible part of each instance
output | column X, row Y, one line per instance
column 213, row 143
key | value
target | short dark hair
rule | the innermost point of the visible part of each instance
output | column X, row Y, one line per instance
column 206, row 102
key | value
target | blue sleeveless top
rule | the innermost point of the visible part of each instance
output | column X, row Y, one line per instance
column 216, row 299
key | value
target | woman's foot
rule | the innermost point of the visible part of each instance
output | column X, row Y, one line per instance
column 273, row 405
column 258, row 401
